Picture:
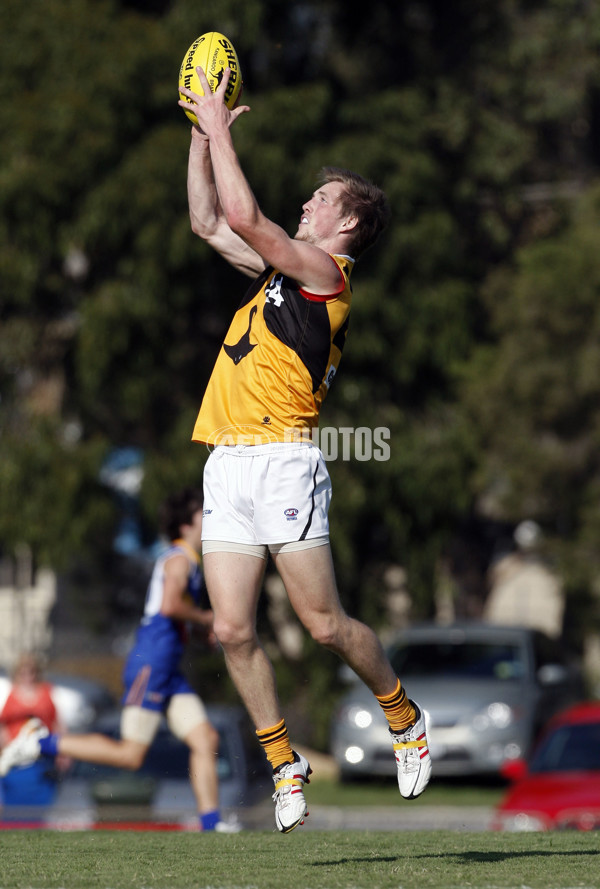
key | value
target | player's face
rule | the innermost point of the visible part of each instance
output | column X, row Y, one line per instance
column 321, row 215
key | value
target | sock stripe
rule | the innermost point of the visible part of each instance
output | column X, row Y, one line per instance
column 397, row 708
column 396, row 701
column 273, row 733
column 276, row 744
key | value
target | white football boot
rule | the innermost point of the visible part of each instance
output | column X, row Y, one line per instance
column 25, row 748
column 412, row 757
column 290, row 805
column 230, row 825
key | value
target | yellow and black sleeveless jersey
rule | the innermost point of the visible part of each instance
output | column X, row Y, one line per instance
column 275, row 367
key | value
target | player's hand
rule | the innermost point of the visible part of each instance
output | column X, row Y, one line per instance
column 210, row 109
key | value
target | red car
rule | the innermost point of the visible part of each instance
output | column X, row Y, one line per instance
column 559, row 788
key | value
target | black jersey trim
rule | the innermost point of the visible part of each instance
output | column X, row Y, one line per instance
column 312, row 507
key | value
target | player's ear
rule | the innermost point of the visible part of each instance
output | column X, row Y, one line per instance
column 349, row 223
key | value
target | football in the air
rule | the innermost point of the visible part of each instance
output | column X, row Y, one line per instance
column 213, row 52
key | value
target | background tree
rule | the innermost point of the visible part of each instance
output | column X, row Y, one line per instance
column 533, row 395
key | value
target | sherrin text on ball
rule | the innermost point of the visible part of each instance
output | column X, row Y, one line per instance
column 213, row 52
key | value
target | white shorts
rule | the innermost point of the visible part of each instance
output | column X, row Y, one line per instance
column 271, row 494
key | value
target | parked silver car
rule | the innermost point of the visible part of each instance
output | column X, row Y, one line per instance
column 486, row 691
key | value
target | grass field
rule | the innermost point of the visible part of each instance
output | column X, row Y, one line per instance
column 301, row 860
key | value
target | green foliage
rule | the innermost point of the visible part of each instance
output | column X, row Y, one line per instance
column 533, row 396
column 44, row 490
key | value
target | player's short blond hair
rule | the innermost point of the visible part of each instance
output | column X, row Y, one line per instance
column 362, row 199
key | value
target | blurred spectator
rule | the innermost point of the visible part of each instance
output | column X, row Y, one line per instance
column 524, row 589
column 30, row 696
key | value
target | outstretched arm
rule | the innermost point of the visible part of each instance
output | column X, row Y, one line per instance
column 206, row 214
column 239, row 211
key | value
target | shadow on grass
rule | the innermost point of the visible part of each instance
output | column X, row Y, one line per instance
column 495, row 857
column 461, row 857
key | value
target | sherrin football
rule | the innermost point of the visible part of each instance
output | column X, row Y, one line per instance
column 213, row 52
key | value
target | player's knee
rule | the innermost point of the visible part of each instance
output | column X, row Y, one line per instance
column 134, row 761
column 232, row 635
column 326, row 632
column 204, row 740
column 132, row 757
column 212, row 739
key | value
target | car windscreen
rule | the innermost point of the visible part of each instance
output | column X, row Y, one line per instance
column 468, row 660
column 570, row 748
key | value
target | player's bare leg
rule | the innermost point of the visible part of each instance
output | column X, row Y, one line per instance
column 234, row 582
column 203, row 741
column 310, row 582
column 101, row 749
column 309, row 579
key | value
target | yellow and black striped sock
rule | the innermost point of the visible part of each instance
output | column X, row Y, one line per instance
column 276, row 744
column 398, row 710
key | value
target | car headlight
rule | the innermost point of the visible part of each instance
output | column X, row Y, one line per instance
column 357, row 716
column 519, row 822
column 354, row 755
column 497, row 715
column 583, row 820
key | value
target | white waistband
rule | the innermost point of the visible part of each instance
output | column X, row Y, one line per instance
column 271, row 447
